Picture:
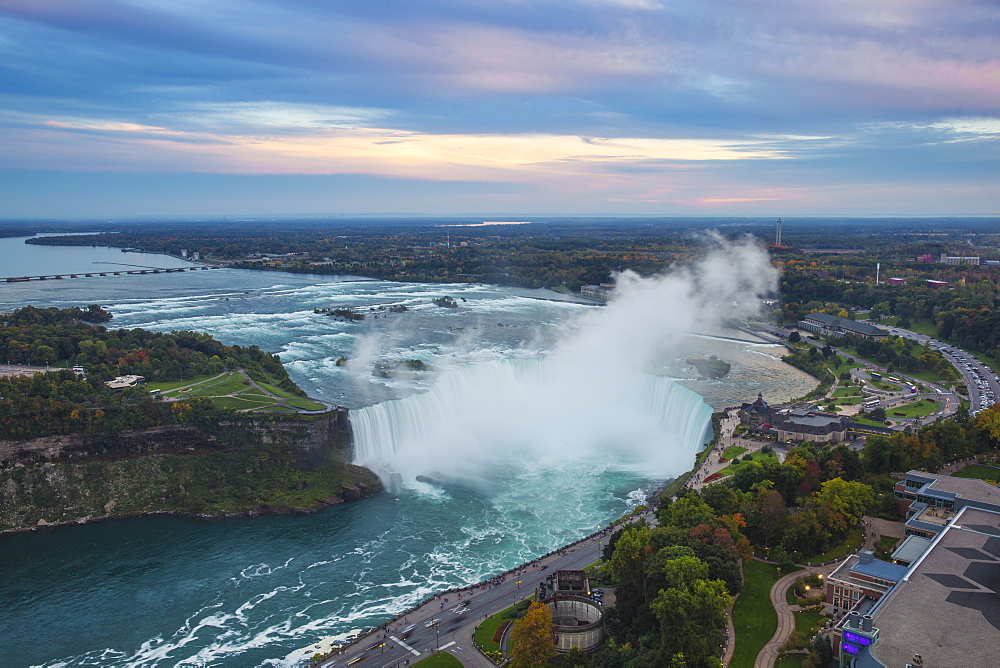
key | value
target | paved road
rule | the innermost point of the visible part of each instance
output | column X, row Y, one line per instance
column 456, row 622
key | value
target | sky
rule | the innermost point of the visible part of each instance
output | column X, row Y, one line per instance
column 126, row 108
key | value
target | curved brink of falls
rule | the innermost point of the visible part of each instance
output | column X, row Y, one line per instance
column 482, row 424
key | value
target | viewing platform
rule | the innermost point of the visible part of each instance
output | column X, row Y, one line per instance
column 114, row 272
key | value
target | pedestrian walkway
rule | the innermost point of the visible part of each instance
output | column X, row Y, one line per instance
column 786, row 613
column 712, row 465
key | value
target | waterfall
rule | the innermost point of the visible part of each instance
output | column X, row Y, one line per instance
column 481, row 421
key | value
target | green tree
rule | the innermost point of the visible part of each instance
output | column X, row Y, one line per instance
column 850, row 499
column 533, row 645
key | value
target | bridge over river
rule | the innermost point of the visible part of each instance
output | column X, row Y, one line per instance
column 135, row 270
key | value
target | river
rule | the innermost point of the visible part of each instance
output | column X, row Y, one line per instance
column 164, row 591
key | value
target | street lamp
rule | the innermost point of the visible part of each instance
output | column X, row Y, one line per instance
column 437, row 638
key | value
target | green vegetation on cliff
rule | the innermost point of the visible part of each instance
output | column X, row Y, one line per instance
column 72, row 449
column 62, row 402
column 260, row 479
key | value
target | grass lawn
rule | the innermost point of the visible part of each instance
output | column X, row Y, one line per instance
column 166, row 386
column 847, row 391
column 759, row 457
column 754, row 618
column 791, row 661
column 807, row 621
column 920, row 408
column 980, row 472
column 864, row 420
column 277, row 391
column 307, row 405
column 925, row 327
column 440, row 660
column 484, row 632
column 733, row 451
column 238, row 403
column 841, row 364
column 233, row 382
column 850, row 543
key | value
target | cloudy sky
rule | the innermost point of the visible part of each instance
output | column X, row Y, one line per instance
column 691, row 107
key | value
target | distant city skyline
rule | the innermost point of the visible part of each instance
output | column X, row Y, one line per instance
column 140, row 108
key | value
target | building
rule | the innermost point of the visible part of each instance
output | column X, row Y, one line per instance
column 930, row 501
column 577, row 619
column 860, row 576
column 937, row 284
column 944, row 611
column 814, row 426
column 757, row 413
column 121, row 382
column 827, row 324
column 895, row 281
column 910, row 550
column 959, row 259
column 602, row 292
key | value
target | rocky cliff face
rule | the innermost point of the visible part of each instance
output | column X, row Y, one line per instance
column 251, row 465
column 313, row 438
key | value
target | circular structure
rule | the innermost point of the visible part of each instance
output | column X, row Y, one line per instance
column 576, row 622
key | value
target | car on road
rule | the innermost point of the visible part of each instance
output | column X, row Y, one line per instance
column 432, row 623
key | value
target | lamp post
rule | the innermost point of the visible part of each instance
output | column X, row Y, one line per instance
column 437, row 638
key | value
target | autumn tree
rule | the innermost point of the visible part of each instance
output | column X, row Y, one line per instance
column 850, row 499
column 532, row 642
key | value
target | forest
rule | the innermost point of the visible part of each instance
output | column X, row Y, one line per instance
column 62, row 401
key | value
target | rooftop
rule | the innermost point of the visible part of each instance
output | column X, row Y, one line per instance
column 843, row 323
column 846, row 573
column 969, row 489
column 911, row 549
column 947, row 608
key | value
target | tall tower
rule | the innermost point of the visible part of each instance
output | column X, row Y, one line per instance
column 777, row 234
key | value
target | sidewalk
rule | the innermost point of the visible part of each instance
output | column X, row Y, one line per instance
column 786, row 613
column 712, row 465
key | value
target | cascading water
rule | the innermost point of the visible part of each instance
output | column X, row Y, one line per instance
column 480, row 423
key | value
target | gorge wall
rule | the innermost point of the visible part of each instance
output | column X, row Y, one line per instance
column 248, row 465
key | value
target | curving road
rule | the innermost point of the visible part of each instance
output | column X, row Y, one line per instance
column 457, row 618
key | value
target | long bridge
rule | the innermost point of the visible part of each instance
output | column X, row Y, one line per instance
column 135, row 271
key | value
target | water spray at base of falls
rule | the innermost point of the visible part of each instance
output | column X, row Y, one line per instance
column 481, row 422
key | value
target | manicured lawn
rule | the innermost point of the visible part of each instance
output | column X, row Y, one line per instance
column 864, row 420
column 791, row 661
column 807, row 621
column 980, row 472
column 920, row 408
column 234, row 382
column 238, row 403
column 754, row 618
column 850, row 543
column 847, row 391
column 440, row 660
column 760, row 457
column 925, row 327
column 277, row 391
column 307, row 405
column 166, row 386
column 733, row 451
column 484, row 632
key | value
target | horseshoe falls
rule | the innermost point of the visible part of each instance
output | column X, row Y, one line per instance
column 493, row 424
